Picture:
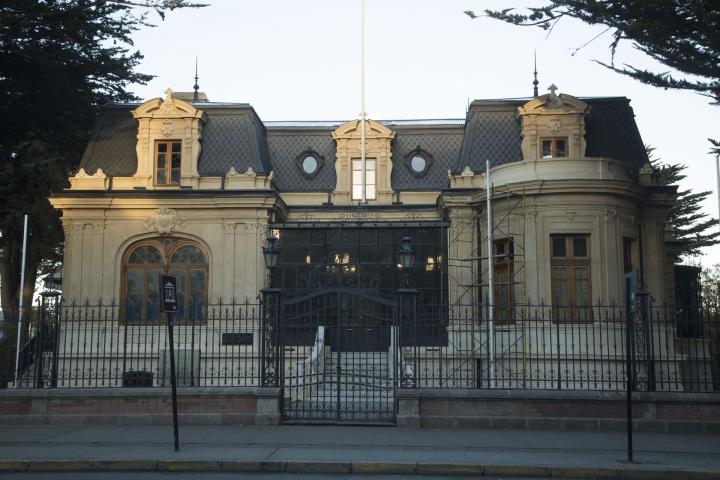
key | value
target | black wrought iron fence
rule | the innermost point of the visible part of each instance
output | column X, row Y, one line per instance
column 90, row 345
column 542, row 347
column 432, row 346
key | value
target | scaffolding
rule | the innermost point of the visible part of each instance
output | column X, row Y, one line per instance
column 494, row 236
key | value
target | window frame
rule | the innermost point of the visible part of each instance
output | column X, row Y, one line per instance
column 363, row 186
column 553, row 147
column 166, row 253
column 570, row 263
column 168, row 163
column 504, row 314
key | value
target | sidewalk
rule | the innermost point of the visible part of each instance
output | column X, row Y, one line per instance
column 348, row 449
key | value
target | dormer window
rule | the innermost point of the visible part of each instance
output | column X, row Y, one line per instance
column 357, row 179
column 309, row 163
column 418, row 162
column 554, row 147
column 167, row 162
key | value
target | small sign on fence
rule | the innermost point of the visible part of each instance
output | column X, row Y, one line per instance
column 168, row 289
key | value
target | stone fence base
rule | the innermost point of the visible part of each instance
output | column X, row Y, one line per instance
column 99, row 406
column 558, row 410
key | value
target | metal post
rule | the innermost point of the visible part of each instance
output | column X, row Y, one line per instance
column 18, row 345
column 491, row 309
column 173, row 382
column 628, row 365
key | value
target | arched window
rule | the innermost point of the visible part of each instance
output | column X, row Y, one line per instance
column 142, row 264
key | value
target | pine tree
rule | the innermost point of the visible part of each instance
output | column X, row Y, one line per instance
column 685, row 217
column 60, row 60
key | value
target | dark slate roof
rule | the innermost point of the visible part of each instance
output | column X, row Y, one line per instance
column 443, row 143
column 611, row 132
column 287, row 143
column 493, row 131
column 112, row 145
column 235, row 136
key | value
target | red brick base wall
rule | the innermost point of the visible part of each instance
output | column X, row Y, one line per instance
column 140, row 405
column 652, row 411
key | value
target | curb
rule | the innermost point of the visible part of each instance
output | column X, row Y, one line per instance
column 408, row 468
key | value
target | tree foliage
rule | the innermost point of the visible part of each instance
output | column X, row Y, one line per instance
column 685, row 217
column 681, row 34
column 60, row 60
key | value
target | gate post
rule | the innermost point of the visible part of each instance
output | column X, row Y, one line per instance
column 271, row 345
column 407, row 309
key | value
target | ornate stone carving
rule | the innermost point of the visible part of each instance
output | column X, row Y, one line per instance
column 164, row 221
column 168, row 129
column 571, row 215
column 467, row 172
column 168, row 104
column 229, row 228
column 83, row 181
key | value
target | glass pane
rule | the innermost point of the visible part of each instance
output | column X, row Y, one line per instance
column 560, row 286
column 370, row 177
column 547, row 148
column 357, row 192
column 357, row 178
column 160, row 171
column 560, row 149
column 558, row 247
column 309, row 164
column 134, row 287
column 370, row 164
column 152, row 305
column 196, row 294
column 175, row 176
column 162, row 147
column 176, row 147
column 357, row 165
column 582, row 294
column 500, row 248
column 188, row 254
column 417, row 163
column 370, row 192
column 145, row 254
column 580, row 247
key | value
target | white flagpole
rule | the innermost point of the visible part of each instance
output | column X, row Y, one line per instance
column 22, row 296
column 362, row 100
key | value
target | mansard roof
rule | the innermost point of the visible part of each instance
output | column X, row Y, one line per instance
column 492, row 131
column 234, row 136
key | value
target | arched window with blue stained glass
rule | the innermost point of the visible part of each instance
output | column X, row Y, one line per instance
column 145, row 261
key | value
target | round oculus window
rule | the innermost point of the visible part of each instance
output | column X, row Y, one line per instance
column 418, row 163
column 309, row 164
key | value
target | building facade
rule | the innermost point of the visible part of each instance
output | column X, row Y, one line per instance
column 195, row 188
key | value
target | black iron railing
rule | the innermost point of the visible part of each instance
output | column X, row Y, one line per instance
column 431, row 346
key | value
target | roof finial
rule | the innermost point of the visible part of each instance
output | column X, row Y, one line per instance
column 196, row 87
column 535, row 81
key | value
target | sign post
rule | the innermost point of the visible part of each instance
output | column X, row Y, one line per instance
column 630, row 289
column 168, row 292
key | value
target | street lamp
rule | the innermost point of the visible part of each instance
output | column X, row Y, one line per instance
column 406, row 255
column 271, row 252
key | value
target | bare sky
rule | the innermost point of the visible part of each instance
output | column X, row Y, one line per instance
column 299, row 60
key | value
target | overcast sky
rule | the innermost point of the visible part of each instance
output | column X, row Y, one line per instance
column 299, row 60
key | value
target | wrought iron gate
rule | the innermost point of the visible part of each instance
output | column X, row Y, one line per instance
column 338, row 346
